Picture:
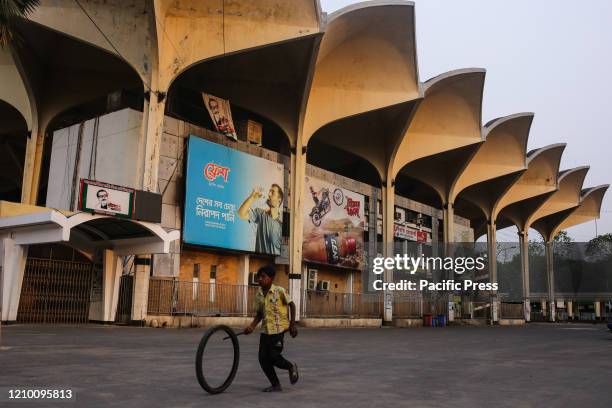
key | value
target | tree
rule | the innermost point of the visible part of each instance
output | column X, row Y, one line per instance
column 599, row 247
column 563, row 237
column 10, row 12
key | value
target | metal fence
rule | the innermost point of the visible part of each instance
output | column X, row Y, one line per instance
column 55, row 291
column 407, row 306
column 512, row 310
column 336, row 304
column 171, row 297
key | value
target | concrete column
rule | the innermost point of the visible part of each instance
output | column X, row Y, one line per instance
column 597, row 309
column 492, row 257
column 12, row 266
column 116, row 285
column 297, row 176
column 152, row 140
column 113, row 269
column 388, row 205
column 570, row 310
column 492, row 250
column 551, row 279
column 31, row 167
column 243, row 280
column 449, row 223
column 140, row 296
column 524, row 248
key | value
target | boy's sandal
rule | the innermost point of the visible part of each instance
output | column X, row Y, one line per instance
column 293, row 374
column 272, row 388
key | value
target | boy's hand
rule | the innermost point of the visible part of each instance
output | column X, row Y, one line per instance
column 249, row 329
column 293, row 330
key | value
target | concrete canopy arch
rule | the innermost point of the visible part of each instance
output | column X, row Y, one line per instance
column 538, row 182
column 566, row 197
column 589, row 209
column 14, row 91
column 13, row 141
column 53, row 61
column 443, row 134
column 504, row 152
column 450, row 114
column 126, row 24
column 383, row 64
column 269, row 81
column 190, row 31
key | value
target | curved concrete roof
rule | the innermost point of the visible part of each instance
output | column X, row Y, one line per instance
column 13, row 90
column 540, row 178
column 524, row 213
column 448, row 118
column 376, row 38
column 126, row 24
column 566, row 197
column 588, row 210
column 503, row 152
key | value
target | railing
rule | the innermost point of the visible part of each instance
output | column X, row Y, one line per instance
column 171, row 297
column 408, row 306
column 335, row 304
column 512, row 310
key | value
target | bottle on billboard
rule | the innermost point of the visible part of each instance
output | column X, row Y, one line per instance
column 331, row 249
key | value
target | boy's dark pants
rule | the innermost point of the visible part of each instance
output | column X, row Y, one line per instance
column 270, row 349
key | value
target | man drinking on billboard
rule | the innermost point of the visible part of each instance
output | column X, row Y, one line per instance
column 269, row 221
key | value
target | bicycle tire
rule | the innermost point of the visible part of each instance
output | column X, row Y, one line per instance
column 199, row 367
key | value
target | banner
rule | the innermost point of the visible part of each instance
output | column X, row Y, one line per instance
column 408, row 233
column 107, row 199
column 333, row 225
column 221, row 115
column 232, row 200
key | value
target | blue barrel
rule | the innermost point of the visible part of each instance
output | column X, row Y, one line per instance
column 441, row 320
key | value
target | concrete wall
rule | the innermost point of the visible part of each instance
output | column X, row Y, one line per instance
column 114, row 158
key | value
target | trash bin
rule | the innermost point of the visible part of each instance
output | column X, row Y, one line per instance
column 434, row 322
column 427, row 320
column 441, row 320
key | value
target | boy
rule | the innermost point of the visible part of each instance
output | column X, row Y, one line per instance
column 271, row 304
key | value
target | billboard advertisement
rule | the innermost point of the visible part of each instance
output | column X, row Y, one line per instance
column 232, row 199
column 333, row 225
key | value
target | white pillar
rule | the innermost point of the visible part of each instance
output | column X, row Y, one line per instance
column 492, row 257
column 449, row 223
column 12, row 264
column 113, row 269
column 597, row 309
column 297, row 177
column 388, row 205
column 551, row 280
column 243, row 281
column 524, row 247
column 116, row 282
column 570, row 310
column 140, row 297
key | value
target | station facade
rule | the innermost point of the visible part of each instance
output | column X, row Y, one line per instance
column 156, row 159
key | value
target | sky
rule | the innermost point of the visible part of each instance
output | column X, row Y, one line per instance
column 551, row 57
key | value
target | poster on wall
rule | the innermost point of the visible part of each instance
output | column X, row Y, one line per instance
column 221, row 115
column 232, row 199
column 334, row 223
column 108, row 199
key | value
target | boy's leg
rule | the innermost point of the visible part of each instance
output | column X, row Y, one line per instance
column 279, row 361
column 277, row 343
column 265, row 359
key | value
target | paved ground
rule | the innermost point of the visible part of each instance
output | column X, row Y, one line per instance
column 533, row 366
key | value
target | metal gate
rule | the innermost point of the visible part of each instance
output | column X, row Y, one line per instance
column 124, row 304
column 55, row 291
